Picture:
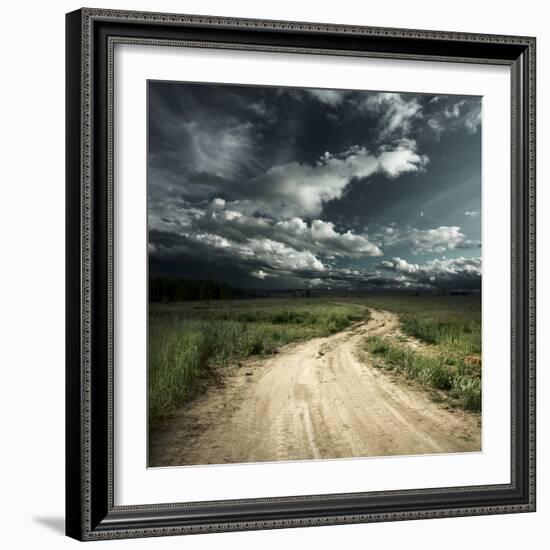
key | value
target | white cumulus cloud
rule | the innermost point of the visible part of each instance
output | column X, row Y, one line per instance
column 437, row 239
column 299, row 189
column 443, row 272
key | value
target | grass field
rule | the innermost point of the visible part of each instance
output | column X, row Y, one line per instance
column 188, row 341
column 451, row 326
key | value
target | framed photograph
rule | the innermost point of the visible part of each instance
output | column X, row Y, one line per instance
column 300, row 274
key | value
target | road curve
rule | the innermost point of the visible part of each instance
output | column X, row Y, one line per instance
column 315, row 399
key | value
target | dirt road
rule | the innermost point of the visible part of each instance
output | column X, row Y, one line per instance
column 316, row 399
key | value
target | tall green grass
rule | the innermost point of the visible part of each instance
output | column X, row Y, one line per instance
column 451, row 325
column 439, row 371
column 462, row 337
column 188, row 342
column 452, row 322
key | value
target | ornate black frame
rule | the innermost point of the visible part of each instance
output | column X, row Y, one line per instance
column 90, row 510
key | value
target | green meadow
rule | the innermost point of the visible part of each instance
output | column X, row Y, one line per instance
column 190, row 341
column 450, row 326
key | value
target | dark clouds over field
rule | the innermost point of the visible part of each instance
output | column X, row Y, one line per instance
column 301, row 188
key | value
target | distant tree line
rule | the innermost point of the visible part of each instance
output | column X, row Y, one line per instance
column 172, row 289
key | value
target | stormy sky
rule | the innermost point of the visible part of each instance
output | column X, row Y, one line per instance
column 271, row 187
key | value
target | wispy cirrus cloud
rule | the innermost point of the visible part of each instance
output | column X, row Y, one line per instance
column 332, row 98
column 397, row 113
column 448, row 114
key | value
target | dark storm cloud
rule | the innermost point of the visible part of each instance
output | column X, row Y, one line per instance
column 285, row 187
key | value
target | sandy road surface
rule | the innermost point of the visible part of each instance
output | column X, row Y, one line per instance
column 315, row 399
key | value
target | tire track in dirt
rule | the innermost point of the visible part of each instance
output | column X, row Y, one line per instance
column 315, row 399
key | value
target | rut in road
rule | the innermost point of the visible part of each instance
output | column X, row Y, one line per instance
column 315, row 399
